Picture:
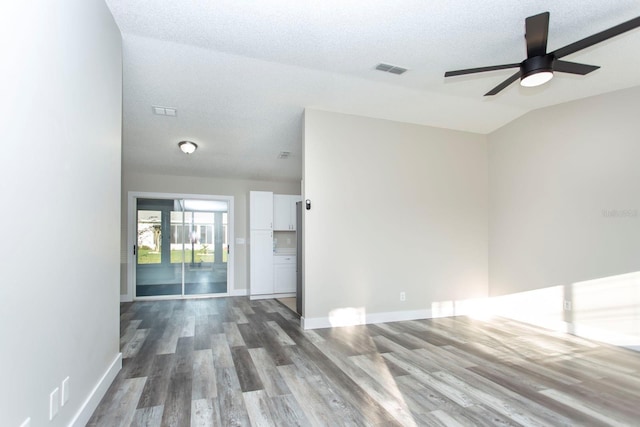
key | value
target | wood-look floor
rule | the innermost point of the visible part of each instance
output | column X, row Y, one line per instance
column 231, row 361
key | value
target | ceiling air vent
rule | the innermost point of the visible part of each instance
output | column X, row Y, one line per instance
column 393, row 69
column 284, row 155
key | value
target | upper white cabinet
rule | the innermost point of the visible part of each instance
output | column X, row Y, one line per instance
column 261, row 210
column 284, row 212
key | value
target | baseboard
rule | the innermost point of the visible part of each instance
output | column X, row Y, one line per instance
column 239, row 293
column 285, row 295
column 364, row 319
column 601, row 335
column 125, row 298
column 273, row 296
column 98, row 392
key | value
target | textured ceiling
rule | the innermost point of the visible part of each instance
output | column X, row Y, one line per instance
column 240, row 73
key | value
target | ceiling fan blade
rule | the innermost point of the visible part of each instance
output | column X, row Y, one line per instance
column 597, row 38
column 503, row 85
column 536, row 33
column 479, row 70
column 573, row 67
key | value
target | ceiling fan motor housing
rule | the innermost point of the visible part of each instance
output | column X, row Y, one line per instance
column 536, row 64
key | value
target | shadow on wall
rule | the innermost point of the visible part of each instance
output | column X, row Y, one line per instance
column 605, row 309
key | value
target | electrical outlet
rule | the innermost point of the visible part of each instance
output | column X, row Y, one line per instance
column 64, row 396
column 54, row 403
column 26, row 423
column 567, row 306
column 403, row 296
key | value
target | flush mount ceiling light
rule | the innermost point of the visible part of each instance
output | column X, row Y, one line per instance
column 187, row 147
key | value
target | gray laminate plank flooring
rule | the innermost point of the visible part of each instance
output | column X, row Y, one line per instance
column 236, row 362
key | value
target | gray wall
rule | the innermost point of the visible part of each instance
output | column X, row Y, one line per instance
column 239, row 189
column 552, row 174
column 60, row 121
column 395, row 207
column 565, row 212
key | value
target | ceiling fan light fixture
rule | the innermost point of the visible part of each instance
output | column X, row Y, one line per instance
column 536, row 79
column 536, row 71
column 187, row 147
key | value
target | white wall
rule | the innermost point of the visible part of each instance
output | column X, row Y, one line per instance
column 60, row 123
column 239, row 189
column 565, row 208
column 395, row 207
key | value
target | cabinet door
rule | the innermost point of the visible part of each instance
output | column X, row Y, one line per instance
column 261, row 210
column 261, row 262
column 281, row 212
column 284, row 278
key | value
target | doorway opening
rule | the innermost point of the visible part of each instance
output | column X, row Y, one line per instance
column 181, row 245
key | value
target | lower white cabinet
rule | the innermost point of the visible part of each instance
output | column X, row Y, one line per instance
column 261, row 258
column 284, row 274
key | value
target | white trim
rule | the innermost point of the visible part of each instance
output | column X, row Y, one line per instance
column 91, row 403
column 390, row 316
column 272, row 296
column 587, row 332
column 125, row 298
column 239, row 293
column 170, row 297
column 132, row 240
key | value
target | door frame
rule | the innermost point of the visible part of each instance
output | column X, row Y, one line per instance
column 132, row 240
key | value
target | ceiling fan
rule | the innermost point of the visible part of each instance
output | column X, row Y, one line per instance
column 539, row 66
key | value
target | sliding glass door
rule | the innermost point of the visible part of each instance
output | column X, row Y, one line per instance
column 182, row 247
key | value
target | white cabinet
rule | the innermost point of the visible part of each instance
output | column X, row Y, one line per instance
column 261, row 242
column 268, row 273
column 284, row 212
column 261, row 210
column 284, row 274
column 261, row 253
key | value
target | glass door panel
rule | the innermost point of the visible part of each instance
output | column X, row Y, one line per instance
column 155, row 274
column 205, row 252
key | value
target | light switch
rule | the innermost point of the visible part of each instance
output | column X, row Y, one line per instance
column 64, row 398
column 54, row 403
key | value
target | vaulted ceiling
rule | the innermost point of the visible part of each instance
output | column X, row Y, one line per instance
column 240, row 73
